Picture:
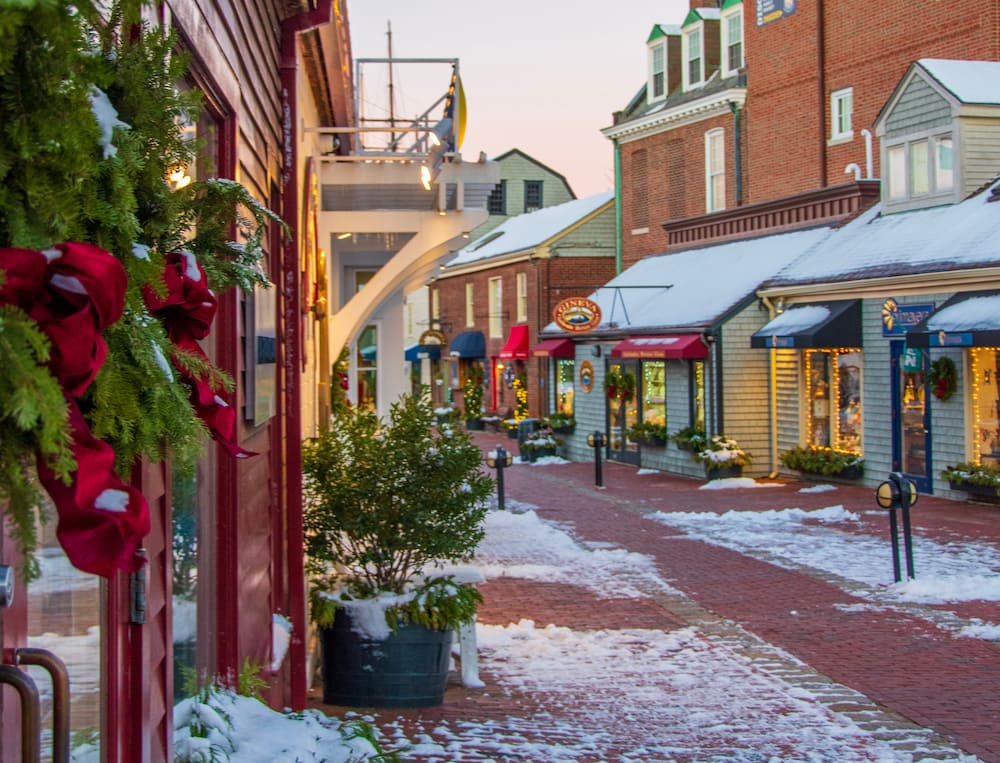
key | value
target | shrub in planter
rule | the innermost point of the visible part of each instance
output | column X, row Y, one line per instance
column 561, row 423
column 690, row 438
column 723, row 457
column 978, row 479
column 648, row 433
column 386, row 503
column 826, row 461
column 539, row 444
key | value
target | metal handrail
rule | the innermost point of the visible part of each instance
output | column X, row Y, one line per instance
column 31, row 721
column 56, row 669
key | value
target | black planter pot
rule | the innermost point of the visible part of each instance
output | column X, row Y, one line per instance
column 652, row 441
column 474, row 424
column 722, row 472
column 408, row 669
column 564, row 430
column 511, row 433
column 987, row 493
column 536, row 453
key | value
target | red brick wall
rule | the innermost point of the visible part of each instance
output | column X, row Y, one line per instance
column 868, row 48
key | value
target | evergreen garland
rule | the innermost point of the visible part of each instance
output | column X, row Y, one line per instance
column 61, row 180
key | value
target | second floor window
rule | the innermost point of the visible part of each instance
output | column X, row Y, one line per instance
column 715, row 170
column 496, row 308
column 733, row 42
column 532, row 195
column 693, row 57
column 922, row 167
column 522, row 297
column 470, row 305
column 496, row 204
column 658, row 72
column 841, row 114
column 640, row 202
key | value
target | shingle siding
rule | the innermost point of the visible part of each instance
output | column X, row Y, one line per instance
column 920, row 107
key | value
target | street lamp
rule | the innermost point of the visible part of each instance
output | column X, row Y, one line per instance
column 499, row 459
column 899, row 493
column 596, row 441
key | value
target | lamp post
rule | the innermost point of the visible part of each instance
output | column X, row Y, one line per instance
column 499, row 459
column 596, row 441
column 899, row 493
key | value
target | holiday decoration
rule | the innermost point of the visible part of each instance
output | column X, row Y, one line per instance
column 620, row 385
column 943, row 378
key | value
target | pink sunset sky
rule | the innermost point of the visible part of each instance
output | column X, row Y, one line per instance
column 543, row 76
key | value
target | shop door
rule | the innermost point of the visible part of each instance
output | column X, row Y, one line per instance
column 623, row 411
column 911, row 441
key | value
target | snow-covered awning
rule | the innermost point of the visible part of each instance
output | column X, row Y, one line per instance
column 823, row 325
column 517, row 343
column 679, row 347
column 971, row 319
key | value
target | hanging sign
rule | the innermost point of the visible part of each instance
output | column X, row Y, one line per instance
column 586, row 376
column 897, row 319
column 577, row 315
column 772, row 10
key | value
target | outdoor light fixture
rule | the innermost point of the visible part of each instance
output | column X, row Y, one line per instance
column 178, row 178
column 596, row 441
column 440, row 132
column 899, row 493
column 342, row 236
column 499, row 459
column 441, row 138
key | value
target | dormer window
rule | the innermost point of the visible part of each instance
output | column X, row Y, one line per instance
column 693, row 58
column 658, row 71
column 700, row 46
column 732, row 37
column 920, row 168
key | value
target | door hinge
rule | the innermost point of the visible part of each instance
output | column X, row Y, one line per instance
column 137, row 593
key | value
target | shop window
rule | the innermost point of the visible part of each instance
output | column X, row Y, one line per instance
column 565, row 391
column 697, row 394
column 833, row 411
column 654, row 395
column 986, row 404
column 366, row 361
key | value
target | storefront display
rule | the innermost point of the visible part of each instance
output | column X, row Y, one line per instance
column 833, row 412
column 986, row 403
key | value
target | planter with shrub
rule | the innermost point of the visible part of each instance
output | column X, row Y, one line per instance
column 828, row 462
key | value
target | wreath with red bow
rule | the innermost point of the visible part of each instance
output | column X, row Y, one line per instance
column 620, row 385
column 943, row 378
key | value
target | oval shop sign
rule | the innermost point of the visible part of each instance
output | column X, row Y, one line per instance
column 576, row 314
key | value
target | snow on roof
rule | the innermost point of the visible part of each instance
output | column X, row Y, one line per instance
column 693, row 288
column 973, row 314
column 529, row 230
column 969, row 81
column 952, row 237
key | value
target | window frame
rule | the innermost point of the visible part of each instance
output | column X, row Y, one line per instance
column 521, row 292
column 654, row 48
column 715, row 199
column 496, row 202
column 898, row 160
column 838, row 98
column 495, row 302
column 696, row 30
column 470, row 304
column 529, row 186
column 725, row 19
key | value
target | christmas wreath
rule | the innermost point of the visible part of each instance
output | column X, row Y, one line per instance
column 943, row 378
column 619, row 385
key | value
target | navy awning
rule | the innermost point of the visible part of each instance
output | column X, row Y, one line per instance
column 819, row 325
column 468, row 344
column 417, row 352
column 971, row 319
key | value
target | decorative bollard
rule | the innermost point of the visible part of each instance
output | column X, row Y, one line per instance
column 499, row 459
column 596, row 441
column 899, row 493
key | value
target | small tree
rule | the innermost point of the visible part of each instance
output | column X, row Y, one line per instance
column 472, row 391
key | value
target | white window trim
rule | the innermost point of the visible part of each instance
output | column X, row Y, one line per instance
column 521, row 281
column 836, row 97
column 935, row 195
column 660, row 44
column 698, row 27
column 710, row 136
column 725, row 16
column 470, row 304
column 495, row 305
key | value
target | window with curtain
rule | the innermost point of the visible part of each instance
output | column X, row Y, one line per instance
column 658, row 71
column 470, row 304
column 715, row 170
column 496, row 308
column 732, row 29
column 522, row 297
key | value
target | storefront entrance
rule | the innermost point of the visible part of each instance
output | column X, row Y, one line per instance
column 911, row 442
column 621, row 392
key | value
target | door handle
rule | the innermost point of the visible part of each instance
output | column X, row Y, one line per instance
column 31, row 723
column 56, row 669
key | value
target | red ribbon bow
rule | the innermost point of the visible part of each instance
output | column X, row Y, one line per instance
column 187, row 312
column 74, row 291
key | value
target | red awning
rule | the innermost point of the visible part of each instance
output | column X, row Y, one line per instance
column 517, row 343
column 555, row 348
column 679, row 347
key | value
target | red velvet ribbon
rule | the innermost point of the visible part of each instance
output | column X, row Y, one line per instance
column 187, row 311
column 74, row 291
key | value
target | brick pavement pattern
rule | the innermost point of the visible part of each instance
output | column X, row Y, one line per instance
column 886, row 668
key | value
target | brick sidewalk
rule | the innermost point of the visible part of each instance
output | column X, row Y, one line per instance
column 910, row 672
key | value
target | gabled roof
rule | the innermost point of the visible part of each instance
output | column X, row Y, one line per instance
column 968, row 81
column 529, row 231
column 701, row 14
column 676, row 291
column 518, row 152
column 663, row 30
column 939, row 239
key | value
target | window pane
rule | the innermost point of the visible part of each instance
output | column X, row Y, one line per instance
column 658, row 71
column 897, row 172
column 496, row 319
column 734, row 29
column 497, row 202
column 532, row 195
column 698, row 394
column 522, row 297
column 654, row 409
column 986, row 364
column 565, row 391
column 366, row 361
column 918, row 167
column 818, row 397
column 944, row 173
column 849, row 401
column 694, row 57
column 470, row 312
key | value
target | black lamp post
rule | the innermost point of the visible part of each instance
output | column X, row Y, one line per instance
column 899, row 493
column 596, row 441
column 499, row 459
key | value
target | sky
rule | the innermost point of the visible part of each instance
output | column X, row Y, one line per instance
column 678, row 690
column 543, row 77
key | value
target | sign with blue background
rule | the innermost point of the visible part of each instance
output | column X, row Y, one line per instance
column 898, row 319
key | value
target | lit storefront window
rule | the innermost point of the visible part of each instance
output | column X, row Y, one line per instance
column 654, row 395
column 367, row 365
column 698, row 394
column 986, row 403
column 833, row 413
column 565, row 391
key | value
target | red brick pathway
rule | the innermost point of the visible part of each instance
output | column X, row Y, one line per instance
column 898, row 659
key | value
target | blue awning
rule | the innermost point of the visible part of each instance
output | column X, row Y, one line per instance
column 417, row 352
column 468, row 344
